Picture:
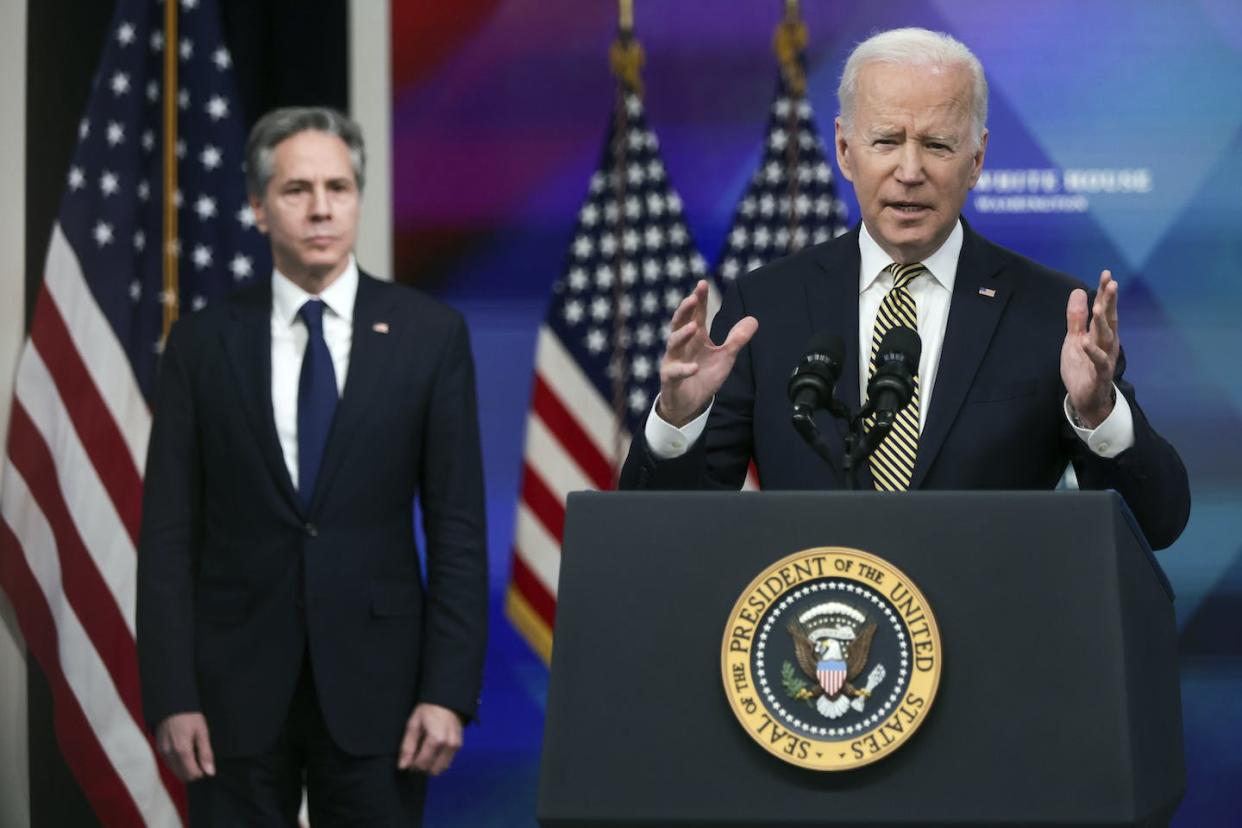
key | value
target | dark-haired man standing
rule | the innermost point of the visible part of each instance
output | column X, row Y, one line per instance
column 284, row 631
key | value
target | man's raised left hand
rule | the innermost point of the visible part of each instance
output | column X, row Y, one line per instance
column 1089, row 354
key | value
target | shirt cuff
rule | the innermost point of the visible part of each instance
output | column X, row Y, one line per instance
column 667, row 441
column 1111, row 437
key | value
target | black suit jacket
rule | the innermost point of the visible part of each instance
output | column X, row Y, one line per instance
column 236, row 582
column 996, row 419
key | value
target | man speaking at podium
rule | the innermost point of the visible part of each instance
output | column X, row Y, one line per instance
column 284, row 634
column 1020, row 371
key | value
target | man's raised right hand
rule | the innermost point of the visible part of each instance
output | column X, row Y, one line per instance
column 693, row 368
column 183, row 741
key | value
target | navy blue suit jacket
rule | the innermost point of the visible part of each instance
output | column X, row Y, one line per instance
column 996, row 419
column 236, row 581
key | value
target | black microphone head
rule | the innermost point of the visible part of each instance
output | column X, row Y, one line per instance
column 901, row 345
column 827, row 344
column 896, row 364
column 817, row 372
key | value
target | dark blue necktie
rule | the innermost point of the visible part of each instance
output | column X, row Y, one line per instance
column 317, row 400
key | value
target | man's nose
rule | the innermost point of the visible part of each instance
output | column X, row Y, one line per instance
column 321, row 205
column 910, row 163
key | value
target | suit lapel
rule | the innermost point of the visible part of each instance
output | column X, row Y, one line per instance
column 248, row 343
column 832, row 302
column 973, row 317
column 368, row 357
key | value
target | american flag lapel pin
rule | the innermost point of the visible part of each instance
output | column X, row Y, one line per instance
column 380, row 327
column 988, row 292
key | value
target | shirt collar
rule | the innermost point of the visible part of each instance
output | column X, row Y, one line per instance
column 942, row 265
column 288, row 298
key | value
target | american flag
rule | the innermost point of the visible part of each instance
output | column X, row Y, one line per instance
column 70, row 496
column 597, row 360
column 791, row 200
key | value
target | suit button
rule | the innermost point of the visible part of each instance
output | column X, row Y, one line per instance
column 312, row 530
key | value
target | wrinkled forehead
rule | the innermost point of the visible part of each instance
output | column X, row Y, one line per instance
column 925, row 97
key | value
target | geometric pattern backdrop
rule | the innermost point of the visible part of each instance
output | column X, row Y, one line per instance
column 1116, row 141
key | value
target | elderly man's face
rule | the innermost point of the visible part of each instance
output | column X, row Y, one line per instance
column 911, row 155
column 310, row 207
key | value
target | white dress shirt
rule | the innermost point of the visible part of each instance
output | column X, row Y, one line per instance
column 932, row 294
column 289, row 337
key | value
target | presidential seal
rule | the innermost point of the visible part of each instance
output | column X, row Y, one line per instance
column 831, row 659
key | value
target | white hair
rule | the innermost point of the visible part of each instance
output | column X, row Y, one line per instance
column 915, row 47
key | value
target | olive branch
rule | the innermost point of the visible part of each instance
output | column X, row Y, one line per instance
column 795, row 685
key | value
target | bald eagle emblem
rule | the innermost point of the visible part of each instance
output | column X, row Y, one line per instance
column 832, row 643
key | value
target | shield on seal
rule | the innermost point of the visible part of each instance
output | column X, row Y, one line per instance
column 831, row 674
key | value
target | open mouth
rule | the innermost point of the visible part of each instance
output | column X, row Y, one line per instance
column 908, row 207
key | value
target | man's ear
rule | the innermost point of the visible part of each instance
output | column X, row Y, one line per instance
column 978, row 159
column 260, row 217
column 843, row 154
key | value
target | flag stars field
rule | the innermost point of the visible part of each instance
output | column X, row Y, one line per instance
column 108, row 184
column 205, row 207
column 103, row 233
column 201, row 256
column 240, row 267
column 217, row 107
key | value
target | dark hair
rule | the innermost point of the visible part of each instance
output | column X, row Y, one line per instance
column 286, row 122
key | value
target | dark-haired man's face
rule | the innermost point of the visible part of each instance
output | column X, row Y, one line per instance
column 310, row 208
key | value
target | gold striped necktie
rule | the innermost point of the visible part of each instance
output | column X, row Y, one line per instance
column 892, row 463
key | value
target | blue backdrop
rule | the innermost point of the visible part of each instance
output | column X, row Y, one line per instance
column 1116, row 141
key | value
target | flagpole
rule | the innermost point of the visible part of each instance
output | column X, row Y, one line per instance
column 790, row 44
column 625, row 57
column 171, row 288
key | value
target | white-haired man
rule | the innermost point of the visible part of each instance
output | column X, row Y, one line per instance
column 1015, row 378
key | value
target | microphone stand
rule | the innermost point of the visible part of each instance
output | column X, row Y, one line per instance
column 804, row 424
column 859, row 443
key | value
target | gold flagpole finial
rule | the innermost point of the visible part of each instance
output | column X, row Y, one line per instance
column 625, row 21
column 626, row 55
column 790, row 42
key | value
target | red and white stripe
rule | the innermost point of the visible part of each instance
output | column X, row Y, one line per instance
column 573, row 443
column 832, row 680
column 70, row 506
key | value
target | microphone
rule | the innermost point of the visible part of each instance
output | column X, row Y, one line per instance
column 896, row 365
column 814, row 379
